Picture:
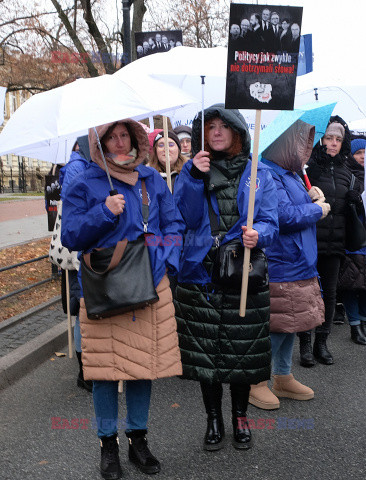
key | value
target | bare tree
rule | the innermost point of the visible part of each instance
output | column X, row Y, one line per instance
column 204, row 23
column 45, row 48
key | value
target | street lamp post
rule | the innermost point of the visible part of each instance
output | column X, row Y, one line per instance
column 127, row 50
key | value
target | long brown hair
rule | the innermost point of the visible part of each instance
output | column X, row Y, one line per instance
column 236, row 146
column 154, row 162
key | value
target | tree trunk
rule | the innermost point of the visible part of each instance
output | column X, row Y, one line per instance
column 139, row 10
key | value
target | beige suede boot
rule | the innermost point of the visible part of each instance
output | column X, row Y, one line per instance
column 286, row 386
column 261, row 397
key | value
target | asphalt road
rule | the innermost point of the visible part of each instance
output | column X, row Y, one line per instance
column 321, row 439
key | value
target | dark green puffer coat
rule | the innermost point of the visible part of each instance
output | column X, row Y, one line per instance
column 217, row 345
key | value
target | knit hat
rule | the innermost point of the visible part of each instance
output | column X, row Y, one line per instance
column 183, row 131
column 171, row 135
column 357, row 144
column 335, row 128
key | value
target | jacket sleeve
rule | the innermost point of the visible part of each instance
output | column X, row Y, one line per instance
column 266, row 217
column 293, row 218
column 70, row 171
column 84, row 225
column 189, row 196
column 172, row 227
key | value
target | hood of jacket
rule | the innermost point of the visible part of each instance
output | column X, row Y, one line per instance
column 293, row 148
column 138, row 132
column 232, row 117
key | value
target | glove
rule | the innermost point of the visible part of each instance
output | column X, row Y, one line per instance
column 325, row 208
column 316, row 194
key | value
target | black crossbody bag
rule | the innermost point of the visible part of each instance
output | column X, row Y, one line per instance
column 119, row 279
column 228, row 262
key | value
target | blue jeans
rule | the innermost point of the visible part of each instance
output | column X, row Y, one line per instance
column 105, row 396
column 77, row 335
column 282, row 348
column 355, row 306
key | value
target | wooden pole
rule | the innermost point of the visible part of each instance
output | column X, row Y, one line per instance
column 69, row 324
column 167, row 159
column 253, row 182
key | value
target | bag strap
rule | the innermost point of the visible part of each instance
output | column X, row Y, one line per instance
column 215, row 228
column 352, row 184
column 145, row 205
column 122, row 244
column 116, row 257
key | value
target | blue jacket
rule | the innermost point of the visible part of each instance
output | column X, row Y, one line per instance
column 75, row 165
column 87, row 223
column 293, row 256
column 191, row 200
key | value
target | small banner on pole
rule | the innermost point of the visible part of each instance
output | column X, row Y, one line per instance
column 263, row 52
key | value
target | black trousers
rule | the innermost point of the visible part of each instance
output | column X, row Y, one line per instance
column 328, row 268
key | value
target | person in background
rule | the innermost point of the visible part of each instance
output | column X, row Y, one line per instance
column 158, row 161
column 79, row 161
column 352, row 275
column 217, row 345
column 327, row 170
column 184, row 134
column 296, row 302
column 92, row 218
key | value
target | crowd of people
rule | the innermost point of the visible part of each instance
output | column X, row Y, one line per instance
column 194, row 329
column 265, row 32
column 154, row 44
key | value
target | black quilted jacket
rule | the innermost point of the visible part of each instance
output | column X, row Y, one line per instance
column 216, row 344
column 332, row 176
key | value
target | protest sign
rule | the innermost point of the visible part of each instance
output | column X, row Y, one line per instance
column 52, row 196
column 155, row 42
column 263, row 53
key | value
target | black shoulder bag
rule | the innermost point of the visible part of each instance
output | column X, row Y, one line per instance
column 119, row 279
column 228, row 263
column 355, row 229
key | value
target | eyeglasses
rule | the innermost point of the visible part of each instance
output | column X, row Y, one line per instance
column 162, row 145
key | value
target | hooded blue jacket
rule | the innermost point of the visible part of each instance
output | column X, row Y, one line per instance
column 75, row 165
column 87, row 223
column 293, row 256
column 190, row 196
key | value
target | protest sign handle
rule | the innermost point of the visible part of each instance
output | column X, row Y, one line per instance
column 203, row 113
column 166, row 147
column 69, row 325
column 253, row 183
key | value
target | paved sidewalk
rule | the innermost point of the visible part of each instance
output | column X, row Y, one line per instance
column 17, row 333
column 42, row 415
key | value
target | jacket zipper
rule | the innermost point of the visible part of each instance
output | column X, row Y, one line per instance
column 334, row 188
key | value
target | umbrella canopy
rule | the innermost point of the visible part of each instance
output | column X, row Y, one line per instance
column 317, row 114
column 58, row 116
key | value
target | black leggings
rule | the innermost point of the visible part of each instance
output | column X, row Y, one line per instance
column 328, row 268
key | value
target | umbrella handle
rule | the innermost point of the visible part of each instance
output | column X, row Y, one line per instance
column 113, row 192
column 306, row 179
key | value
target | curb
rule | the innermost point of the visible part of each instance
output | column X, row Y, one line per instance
column 21, row 361
column 10, row 322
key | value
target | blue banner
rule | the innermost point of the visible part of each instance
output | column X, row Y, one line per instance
column 305, row 62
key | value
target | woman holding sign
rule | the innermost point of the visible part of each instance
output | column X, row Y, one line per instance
column 217, row 345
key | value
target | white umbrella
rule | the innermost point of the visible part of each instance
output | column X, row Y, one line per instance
column 183, row 67
column 59, row 115
column 358, row 126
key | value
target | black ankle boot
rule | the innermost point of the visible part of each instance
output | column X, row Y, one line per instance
column 110, row 468
column 86, row 384
column 306, row 353
column 139, row 453
column 215, row 432
column 363, row 326
column 242, row 436
column 339, row 314
column 320, row 350
column 357, row 335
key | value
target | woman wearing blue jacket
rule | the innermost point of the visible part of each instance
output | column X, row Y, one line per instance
column 137, row 346
column 217, row 345
column 296, row 303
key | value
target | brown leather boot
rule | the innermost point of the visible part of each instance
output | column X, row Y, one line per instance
column 261, row 397
column 287, row 387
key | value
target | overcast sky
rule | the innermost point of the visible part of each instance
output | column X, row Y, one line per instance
column 339, row 38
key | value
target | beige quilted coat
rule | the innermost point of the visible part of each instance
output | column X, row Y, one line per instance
column 133, row 346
